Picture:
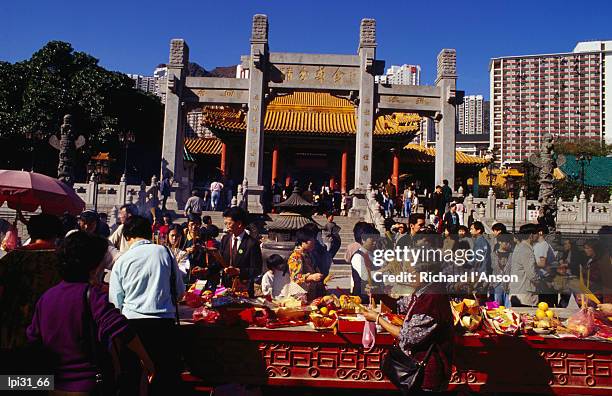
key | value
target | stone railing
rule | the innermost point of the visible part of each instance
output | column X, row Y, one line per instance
column 578, row 215
column 110, row 195
column 240, row 199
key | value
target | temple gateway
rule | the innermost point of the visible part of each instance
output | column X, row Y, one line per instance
column 305, row 116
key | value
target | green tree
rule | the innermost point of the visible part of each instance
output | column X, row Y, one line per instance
column 575, row 147
column 36, row 93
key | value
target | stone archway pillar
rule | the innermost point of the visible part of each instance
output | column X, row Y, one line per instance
column 365, row 117
column 446, row 122
column 253, row 155
column 174, row 136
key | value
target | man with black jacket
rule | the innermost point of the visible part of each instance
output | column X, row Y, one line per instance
column 241, row 253
column 451, row 219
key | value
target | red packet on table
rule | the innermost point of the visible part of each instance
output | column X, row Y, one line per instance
column 368, row 340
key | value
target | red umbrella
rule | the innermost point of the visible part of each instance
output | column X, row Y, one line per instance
column 28, row 190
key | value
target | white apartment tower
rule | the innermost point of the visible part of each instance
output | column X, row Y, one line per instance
column 471, row 115
column 401, row 75
column 563, row 94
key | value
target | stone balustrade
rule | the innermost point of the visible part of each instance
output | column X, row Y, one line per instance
column 578, row 215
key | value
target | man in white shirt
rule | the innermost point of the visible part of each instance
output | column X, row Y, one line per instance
column 362, row 262
column 215, row 188
column 116, row 238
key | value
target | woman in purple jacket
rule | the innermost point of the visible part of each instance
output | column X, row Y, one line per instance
column 60, row 318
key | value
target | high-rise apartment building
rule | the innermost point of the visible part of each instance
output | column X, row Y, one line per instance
column 143, row 83
column 402, row 75
column 471, row 115
column 562, row 94
column 155, row 84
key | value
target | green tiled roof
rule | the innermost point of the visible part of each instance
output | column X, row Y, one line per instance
column 597, row 173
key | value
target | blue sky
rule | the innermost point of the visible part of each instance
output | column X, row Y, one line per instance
column 134, row 36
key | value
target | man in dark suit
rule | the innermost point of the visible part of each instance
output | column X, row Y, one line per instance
column 241, row 253
column 451, row 219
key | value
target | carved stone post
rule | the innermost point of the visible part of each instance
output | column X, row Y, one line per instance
column 253, row 156
column 445, row 136
column 365, row 116
column 174, row 136
column 521, row 206
column 491, row 205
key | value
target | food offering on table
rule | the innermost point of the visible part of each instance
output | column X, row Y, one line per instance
column 544, row 321
column 500, row 320
column 582, row 323
column 350, row 304
column 324, row 315
column 466, row 314
column 289, row 311
column 323, row 322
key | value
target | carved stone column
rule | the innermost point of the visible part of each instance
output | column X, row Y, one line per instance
column 365, row 116
column 253, row 156
column 445, row 133
column 174, row 137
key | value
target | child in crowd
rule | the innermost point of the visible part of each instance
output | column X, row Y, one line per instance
column 276, row 277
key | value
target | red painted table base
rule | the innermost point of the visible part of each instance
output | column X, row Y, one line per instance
column 303, row 357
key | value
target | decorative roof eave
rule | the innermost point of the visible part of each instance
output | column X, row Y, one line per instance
column 310, row 113
column 206, row 146
column 424, row 155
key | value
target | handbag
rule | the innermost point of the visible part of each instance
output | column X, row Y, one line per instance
column 404, row 371
column 107, row 370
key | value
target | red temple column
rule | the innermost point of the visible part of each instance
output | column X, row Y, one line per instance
column 332, row 183
column 288, row 181
column 274, row 163
column 223, row 165
column 395, row 177
column 343, row 171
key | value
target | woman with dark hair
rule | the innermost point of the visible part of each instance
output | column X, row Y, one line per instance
column 428, row 324
column 64, row 314
column 596, row 272
column 301, row 269
column 25, row 274
column 174, row 242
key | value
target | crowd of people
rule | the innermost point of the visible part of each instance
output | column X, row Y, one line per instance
column 549, row 268
column 79, row 286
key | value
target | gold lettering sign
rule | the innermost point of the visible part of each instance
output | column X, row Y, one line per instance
column 366, row 157
column 366, row 112
column 420, row 101
column 393, row 99
column 229, row 92
column 366, row 135
column 288, row 73
column 365, row 168
column 252, row 164
column 337, row 76
column 320, row 74
column 255, row 108
column 303, row 74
